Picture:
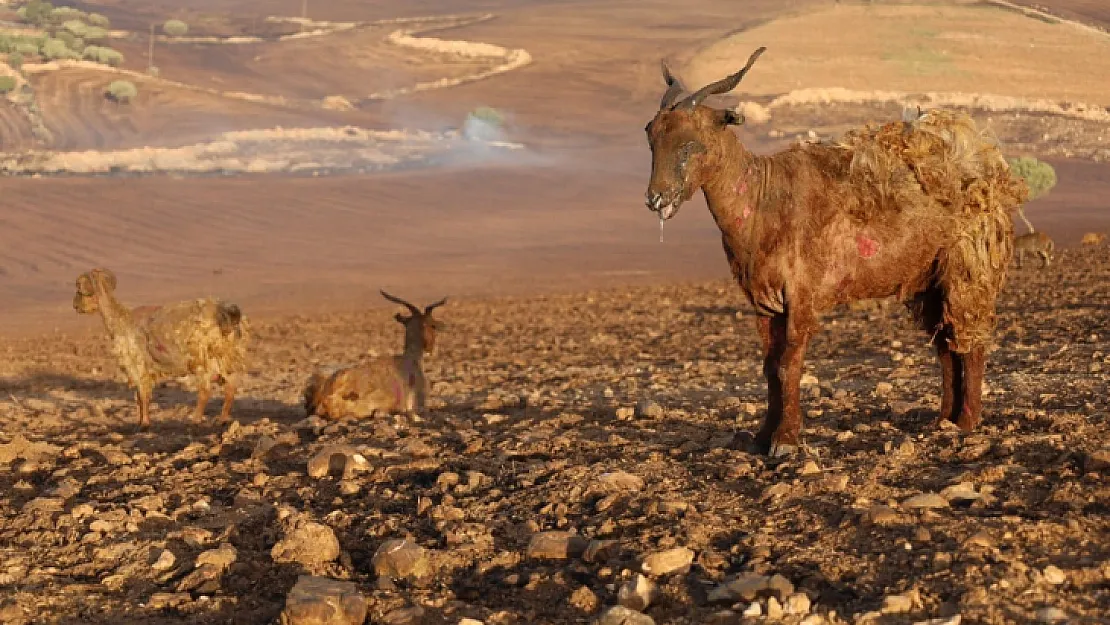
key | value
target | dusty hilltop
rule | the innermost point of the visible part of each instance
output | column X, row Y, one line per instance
column 615, row 415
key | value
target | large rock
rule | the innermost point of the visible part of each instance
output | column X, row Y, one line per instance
column 620, row 615
column 556, row 545
column 669, row 561
column 323, row 601
column 400, row 559
column 343, row 460
column 306, row 542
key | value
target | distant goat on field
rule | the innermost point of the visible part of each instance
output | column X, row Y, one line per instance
column 1094, row 238
column 387, row 384
column 204, row 339
column 918, row 209
column 1037, row 244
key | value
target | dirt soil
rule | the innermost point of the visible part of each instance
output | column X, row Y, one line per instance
column 537, row 403
column 577, row 346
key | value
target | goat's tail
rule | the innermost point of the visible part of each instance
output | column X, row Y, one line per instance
column 1028, row 224
column 230, row 319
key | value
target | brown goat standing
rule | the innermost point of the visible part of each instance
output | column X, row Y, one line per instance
column 204, row 339
column 387, row 384
column 916, row 209
column 1037, row 244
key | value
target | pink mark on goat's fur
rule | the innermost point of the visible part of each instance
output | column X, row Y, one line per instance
column 741, row 186
column 867, row 246
column 399, row 391
column 747, row 212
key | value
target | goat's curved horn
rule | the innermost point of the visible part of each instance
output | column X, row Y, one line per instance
column 724, row 85
column 413, row 309
column 430, row 307
column 674, row 88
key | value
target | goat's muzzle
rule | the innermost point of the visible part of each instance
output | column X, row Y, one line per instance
column 84, row 304
column 665, row 204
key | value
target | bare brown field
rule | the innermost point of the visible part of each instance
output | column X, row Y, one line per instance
column 538, row 403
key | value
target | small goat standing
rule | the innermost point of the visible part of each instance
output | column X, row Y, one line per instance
column 204, row 339
column 918, row 209
column 387, row 384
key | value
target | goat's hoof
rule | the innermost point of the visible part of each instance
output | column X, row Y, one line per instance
column 782, row 450
column 752, row 444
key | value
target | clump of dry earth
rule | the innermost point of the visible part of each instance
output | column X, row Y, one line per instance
column 582, row 462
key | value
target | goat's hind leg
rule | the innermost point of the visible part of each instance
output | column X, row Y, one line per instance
column 974, row 364
column 231, row 385
column 144, row 391
column 929, row 308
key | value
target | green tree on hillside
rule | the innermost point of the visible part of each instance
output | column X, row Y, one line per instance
column 53, row 49
column 1038, row 175
column 175, row 28
column 7, row 83
column 121, row 91
column 36, row 12
column 98, row 20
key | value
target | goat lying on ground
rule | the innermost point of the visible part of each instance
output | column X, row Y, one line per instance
column 1037, row 244
column 1093, row 238
column 918, row 209
column 387, row 384
column 204, row 339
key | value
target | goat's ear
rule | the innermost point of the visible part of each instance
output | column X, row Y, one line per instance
column 400, row 318
column 106, row 278
column 729, row 117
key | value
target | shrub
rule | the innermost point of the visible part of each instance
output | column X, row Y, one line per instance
column 62, row 14
column 1040, row 176
column 54, row 49
column 122, row 91
column 95, row 33
column 7, row 83
column 107, row 56
column 77, row 28
column 15, row 59
column 175, row 28
column 27, row 48
column 36, row 12
column 98, row 20
column 66, row 37
column 488, row 115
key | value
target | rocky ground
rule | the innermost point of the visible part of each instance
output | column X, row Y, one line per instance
column 582, row 452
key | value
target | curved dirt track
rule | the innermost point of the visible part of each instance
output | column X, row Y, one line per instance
column 80, row 117
column 15, row 130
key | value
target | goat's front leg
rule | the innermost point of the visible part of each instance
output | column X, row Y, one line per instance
column 231, row 384
column 204, row 391
column 1045, row 260
column 772, row 333
column 787, row 436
